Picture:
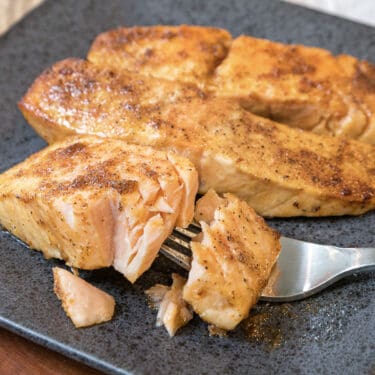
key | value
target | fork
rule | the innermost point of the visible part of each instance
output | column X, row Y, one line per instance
column 302, row 268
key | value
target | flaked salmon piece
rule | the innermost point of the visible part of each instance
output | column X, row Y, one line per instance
column 232, row 260
column 173, row 311
column 185, row 53
column 155, row 295
column 189, row 175
column 278, row 170
column 304, row 87
column 84, row 304
column 97, row 202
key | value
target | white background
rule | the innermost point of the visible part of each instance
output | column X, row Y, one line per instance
column 356, row 10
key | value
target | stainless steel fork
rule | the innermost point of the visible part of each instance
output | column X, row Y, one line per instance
column 302, row 268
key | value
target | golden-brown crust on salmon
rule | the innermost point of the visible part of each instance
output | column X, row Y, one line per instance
column 232, row 260
column 186, row 53
column 138, row 97
column 96, row 202
column 298, row 173
column 304, row 87
column 280, row 171
column 301, row 86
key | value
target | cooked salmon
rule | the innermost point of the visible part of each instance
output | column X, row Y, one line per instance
column 278, row 170
column 304, row 87
column 173, row 311
column 84, row 304
column 185, row 53
column 97, row 202
column 232, row 260
column 138, row 98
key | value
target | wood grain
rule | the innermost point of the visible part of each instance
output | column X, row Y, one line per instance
column 22, row 357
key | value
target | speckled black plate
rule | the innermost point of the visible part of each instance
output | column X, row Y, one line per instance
column 331, row 333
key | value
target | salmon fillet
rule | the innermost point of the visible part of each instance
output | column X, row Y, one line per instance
column 84, row 304
column 185, row 53
column 301, row 86
column 173, row 311
column 278, row 170
column 232, row 260
column 97, row 202
column 138, row 98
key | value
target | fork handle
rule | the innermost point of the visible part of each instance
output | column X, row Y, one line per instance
column 359, row 259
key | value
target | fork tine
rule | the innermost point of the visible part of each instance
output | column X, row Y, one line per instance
column 195, row 225
column 176, row 254
column 191, row 231
column 178, row 240
column 185, row 231
column 177, row 257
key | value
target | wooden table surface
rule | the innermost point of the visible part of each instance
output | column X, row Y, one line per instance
column 19, row 356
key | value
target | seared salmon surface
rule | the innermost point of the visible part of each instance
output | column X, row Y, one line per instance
column 185, row 53
column 278, row 170
column 84, row 304
column 304, row 87
column 80, row 86
column 232, row 260
column 96, row 202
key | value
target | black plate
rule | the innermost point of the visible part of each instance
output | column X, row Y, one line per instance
column 332, row 332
